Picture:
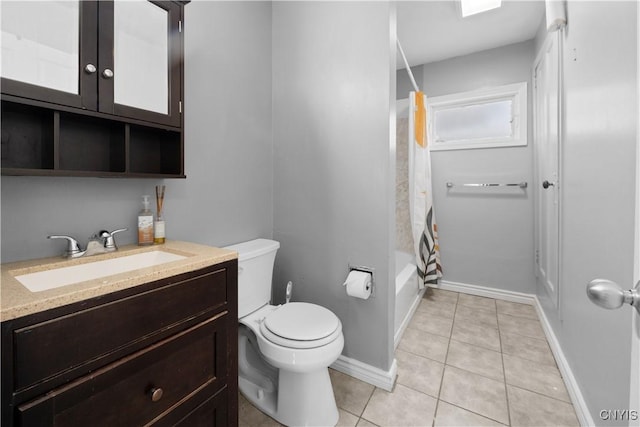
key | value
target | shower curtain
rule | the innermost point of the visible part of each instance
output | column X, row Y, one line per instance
column 423, row 221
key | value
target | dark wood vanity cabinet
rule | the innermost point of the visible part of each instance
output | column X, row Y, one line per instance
column 163, row 353
column 93, row 88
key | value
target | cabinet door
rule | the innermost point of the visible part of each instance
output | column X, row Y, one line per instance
column 49, row 51
column 140, row 48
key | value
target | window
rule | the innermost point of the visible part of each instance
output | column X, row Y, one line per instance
column 495, row 117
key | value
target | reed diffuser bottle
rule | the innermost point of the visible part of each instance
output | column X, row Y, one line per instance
column 159, row 231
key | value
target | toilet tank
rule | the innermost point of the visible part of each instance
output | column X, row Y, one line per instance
column 255, row 271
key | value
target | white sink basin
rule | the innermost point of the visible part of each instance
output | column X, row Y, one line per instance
column 55, row 278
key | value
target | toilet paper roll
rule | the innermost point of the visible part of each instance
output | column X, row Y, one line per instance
column 358, row 284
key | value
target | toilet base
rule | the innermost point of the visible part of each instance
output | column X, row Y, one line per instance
column 303, row 399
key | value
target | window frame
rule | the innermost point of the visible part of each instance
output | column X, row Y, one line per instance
column 516, row 92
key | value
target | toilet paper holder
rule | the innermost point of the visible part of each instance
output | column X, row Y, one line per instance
column 369, row 270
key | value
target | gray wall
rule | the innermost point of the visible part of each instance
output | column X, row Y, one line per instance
column 486, row 235
column 598, row 195
column 334, row 171
column 227, row 196
column 403, row 82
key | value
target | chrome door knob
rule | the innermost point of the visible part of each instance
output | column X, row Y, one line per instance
column 610, row 295
column 107, row 73
column 546, row 184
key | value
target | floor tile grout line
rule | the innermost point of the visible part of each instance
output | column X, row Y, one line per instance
column 527, row 336
column 444, row 367
column 421, row 355
column 504, row 371
column 369, row 400
column 419, row 391
column 542, row 395
column 427, row 314
column 535, row 361
column 478, row 309
column 428, row 332
column 475, row 373
column 474, row 412
column 481, row 346
column 521, row 317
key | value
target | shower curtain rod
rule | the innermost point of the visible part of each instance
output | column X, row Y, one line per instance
column 406, row 64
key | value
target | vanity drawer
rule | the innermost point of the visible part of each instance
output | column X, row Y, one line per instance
column 47, row 349
column 189, row 368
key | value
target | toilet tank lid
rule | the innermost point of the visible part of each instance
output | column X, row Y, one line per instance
column 253, row 248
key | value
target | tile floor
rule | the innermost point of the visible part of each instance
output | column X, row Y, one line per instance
column 463, row 361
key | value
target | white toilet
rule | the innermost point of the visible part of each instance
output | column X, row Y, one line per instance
column 283, row 351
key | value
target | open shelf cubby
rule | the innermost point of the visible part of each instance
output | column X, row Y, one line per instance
column 90, row 144
column 154, row 151
column 42, row 141
column 27, row 137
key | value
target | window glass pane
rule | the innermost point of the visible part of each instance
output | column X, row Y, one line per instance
column 488, row 120
column 40, row 43
column 141, row 62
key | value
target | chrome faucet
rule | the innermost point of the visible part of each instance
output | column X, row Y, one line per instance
column 73, row 248
column 99, row 243
column 109, row 242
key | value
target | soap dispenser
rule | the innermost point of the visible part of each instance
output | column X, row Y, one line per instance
column 145, row 223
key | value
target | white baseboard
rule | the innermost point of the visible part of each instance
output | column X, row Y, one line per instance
column 407, row 318
column 577, row 399
column 484, row 291
column 579, row 404
column 367, row 373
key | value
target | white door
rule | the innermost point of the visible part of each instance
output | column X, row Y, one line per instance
column 546, row 118
column 635, row 339
column 634, row 393
column 634, row 402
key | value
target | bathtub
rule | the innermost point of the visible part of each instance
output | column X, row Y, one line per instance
column 407, row 293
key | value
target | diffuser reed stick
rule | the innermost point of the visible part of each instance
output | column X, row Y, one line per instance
column 159, row 199
column 159, row 232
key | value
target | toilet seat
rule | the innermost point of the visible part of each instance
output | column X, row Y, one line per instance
column 301, row 325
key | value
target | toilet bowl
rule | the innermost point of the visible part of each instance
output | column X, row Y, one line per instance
column 297, row 391
column 298, row 336
column 284, row 351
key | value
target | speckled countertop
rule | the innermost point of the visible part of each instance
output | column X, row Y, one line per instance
column 17, row 301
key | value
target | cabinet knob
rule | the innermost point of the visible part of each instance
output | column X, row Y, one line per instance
column 156, row 394
column 90, row 68
column 107, row 73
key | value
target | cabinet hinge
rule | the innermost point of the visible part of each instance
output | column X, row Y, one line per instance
column 180, row 107
column 179, row 26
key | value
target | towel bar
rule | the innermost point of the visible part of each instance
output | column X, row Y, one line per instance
column 519, row 184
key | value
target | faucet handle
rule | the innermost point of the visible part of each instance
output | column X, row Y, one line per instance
column 109, row 240
column 73, row 248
